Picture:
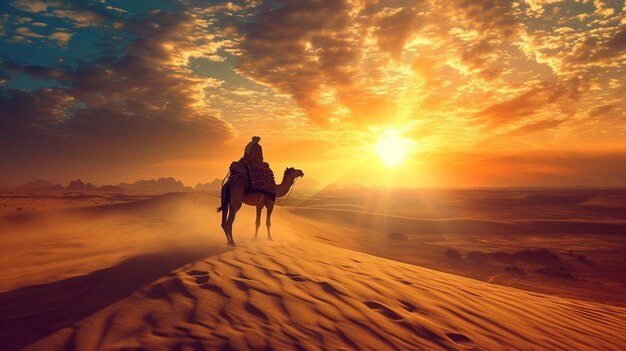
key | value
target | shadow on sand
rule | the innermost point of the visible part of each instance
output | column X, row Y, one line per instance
column 32, row 313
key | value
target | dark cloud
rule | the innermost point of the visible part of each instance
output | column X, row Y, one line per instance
column 559, row 95
column 299, row 47
column 479, row 32
column 78, row 13
column 35, row 71
column 603, row 110
column 598, row 50
column 488, row 17
column 393, row 30
column 321, row 52
column 141, row 107
column 618, row 42
column 535, row 126
column 512, row 110
column 350, row 64
column 482, row 56
column 4, row 78
column 308, row 48
column 305, row 48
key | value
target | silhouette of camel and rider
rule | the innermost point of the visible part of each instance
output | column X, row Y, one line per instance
column 250, row 181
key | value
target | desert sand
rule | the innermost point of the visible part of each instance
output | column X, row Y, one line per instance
column 542, row 240
column 156, row 274
column 312, row 296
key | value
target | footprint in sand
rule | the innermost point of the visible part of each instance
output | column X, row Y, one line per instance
column 384, row 310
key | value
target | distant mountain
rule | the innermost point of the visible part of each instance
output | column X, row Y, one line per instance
column 78, row 185
column 345, row 187
column 110, row 189
column 307, row 183
column 161, row 185
column 40, row 184
column 215, row 185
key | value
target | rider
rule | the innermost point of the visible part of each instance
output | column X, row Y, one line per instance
column 253, row 151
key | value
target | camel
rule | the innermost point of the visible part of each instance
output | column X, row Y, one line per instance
column 235, row 193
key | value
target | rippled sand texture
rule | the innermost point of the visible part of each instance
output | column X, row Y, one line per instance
column 310, row 296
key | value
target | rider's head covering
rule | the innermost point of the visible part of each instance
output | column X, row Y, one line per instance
column 253, row 151
column 255, row 140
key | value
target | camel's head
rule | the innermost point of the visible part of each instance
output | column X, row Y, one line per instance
column 295, row 173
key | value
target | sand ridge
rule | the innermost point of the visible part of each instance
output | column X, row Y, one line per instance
column 309, row 296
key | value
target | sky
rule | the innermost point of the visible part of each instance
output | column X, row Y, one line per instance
column 425, row 93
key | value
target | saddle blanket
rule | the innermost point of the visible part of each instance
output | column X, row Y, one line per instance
column 260, row 177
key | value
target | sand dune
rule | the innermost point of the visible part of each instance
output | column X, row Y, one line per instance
column 306, row 295
column 462, row 225
column 97, row 277
column 608, row 201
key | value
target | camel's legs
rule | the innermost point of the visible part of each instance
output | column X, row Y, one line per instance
column 259, row 209
column 229, row 224
column 236, row 199
column 268, row 222
column 224, row 209
column 226, row 225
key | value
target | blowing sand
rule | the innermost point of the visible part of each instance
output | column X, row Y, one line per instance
column 308, row 296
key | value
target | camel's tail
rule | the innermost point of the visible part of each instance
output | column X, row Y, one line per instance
column 222, row 197
column 224, row 205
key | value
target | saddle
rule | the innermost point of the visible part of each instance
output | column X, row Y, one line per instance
column 260, row 176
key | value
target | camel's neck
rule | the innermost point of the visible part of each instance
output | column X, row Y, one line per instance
column 283, row 188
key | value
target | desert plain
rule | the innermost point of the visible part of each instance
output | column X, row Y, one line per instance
column 350, row 268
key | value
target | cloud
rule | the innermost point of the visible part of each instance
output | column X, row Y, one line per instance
column 537, row 5
column 535, row 126
column 36, row 71
column 598, row 50
column 4, row 78
column 316, row 51
column 326, row 59
column 332, row 61
column 603, row 110
column 80, row 14
column 61, row 37
column 618, row 42
column 34, row 6
column 138, row 108
column 559, row 95
column 512, row 110
column 26, row 32
column 486, row 72
column 4, row 18
column 489, row 17
column 394, row 29
column 80, row 18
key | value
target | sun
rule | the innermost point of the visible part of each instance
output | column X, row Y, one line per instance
column 392, row 148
